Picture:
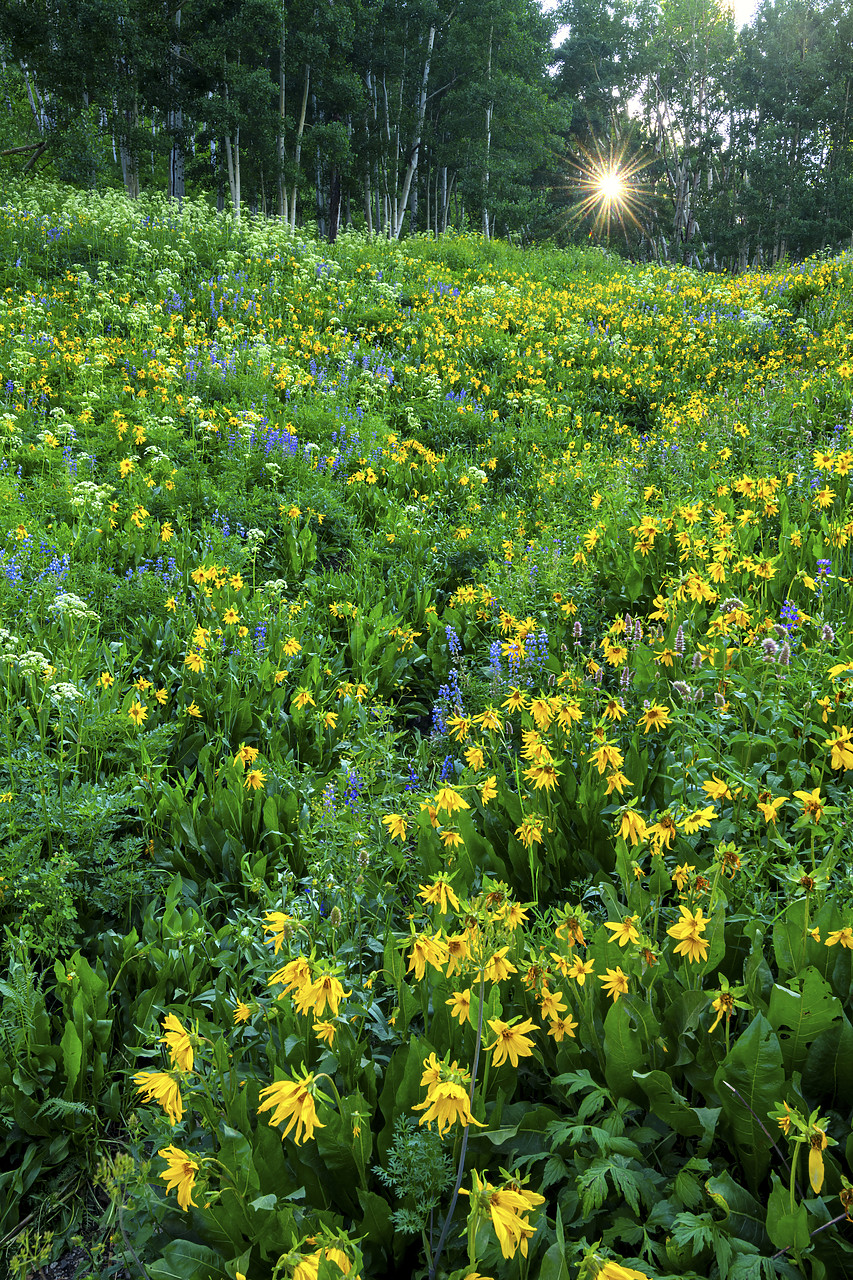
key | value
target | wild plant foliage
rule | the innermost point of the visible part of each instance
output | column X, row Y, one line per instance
column 425, row 755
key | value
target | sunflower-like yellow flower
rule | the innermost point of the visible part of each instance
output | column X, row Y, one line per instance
column 439, row 894
column 689, row 932
column 447, row 1099
column 614, row 983
column 293, row 1101
column 427, row 950
column 498, row 967
column 460, row 1005
column 396, row 824
column 179, row 1041
column 615, row 1271
column 162, row 1087
column 624, row 931
column 293, row 976
column 655, row 717
column 308, row 1267
column 489, row 790
column 510, row 1041
column 181, row 1171
column 812, row 804
column 633, row 827
column 580, row 970
column 508, row 1207
column 841, row 745
column 326, row 989
column 448, row 800
column 281, row 926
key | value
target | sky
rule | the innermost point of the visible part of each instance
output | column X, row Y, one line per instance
column 742, row 9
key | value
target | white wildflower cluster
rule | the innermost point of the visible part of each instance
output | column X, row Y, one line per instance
column 260, row 352
column 67, row 605
column 31, row 663
column 88, row 496
column 64, row 691
column 10, row 421
column 429, row 385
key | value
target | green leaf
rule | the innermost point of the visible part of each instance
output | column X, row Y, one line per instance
column 799, row 1017
column 184, row 1260
column 623, row 1051
column 376, row 1224
column 790, row 937
column 753, row 1068
column 667, row 1104
column 236, row 1154
column 401, row 1089
column 745, row 1215
column 264, row 1203
column 827, row 1067
column 717, row 938
column 553, row 1266
column 72, row 1055
column 787, row 1229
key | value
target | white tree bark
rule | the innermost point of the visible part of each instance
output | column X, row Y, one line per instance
column 297, row 156
column 411, row 168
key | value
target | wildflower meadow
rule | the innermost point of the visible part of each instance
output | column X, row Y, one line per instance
column 425, row 755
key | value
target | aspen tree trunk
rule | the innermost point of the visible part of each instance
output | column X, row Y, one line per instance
column 300, row 129
column 282, row 189
column 369, row 82
column 416, row 141
column 232, row 158
column 175, row 124
column 413, row 207
column 319, row 193
column 383, row 219
column 38, row 111
column 129, row 159
column 489, row 110
column 448, row 192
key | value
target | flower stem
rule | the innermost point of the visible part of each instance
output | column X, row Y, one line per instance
column 461, row 1170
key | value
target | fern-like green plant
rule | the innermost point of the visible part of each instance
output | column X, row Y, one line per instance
column 418, row 1171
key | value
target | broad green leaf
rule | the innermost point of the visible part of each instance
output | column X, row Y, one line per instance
column 667, row 1104
column 72, row 1056
column 799, row 1016
column 553, row 1266
column 790, row 937
column 236, row 1154
column 716, row 935
column 745, row 1215
column 623, row 1050
column 376, row 1224
column 750, row 1083
column 264, row 1203
column 401, row 1089
column 827, row 1066
column 184, row 1260
column 787, row 1227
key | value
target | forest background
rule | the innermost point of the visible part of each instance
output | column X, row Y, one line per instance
column 427, row 732
column 734, row 145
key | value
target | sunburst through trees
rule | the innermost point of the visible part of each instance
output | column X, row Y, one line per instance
column 609, row 190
